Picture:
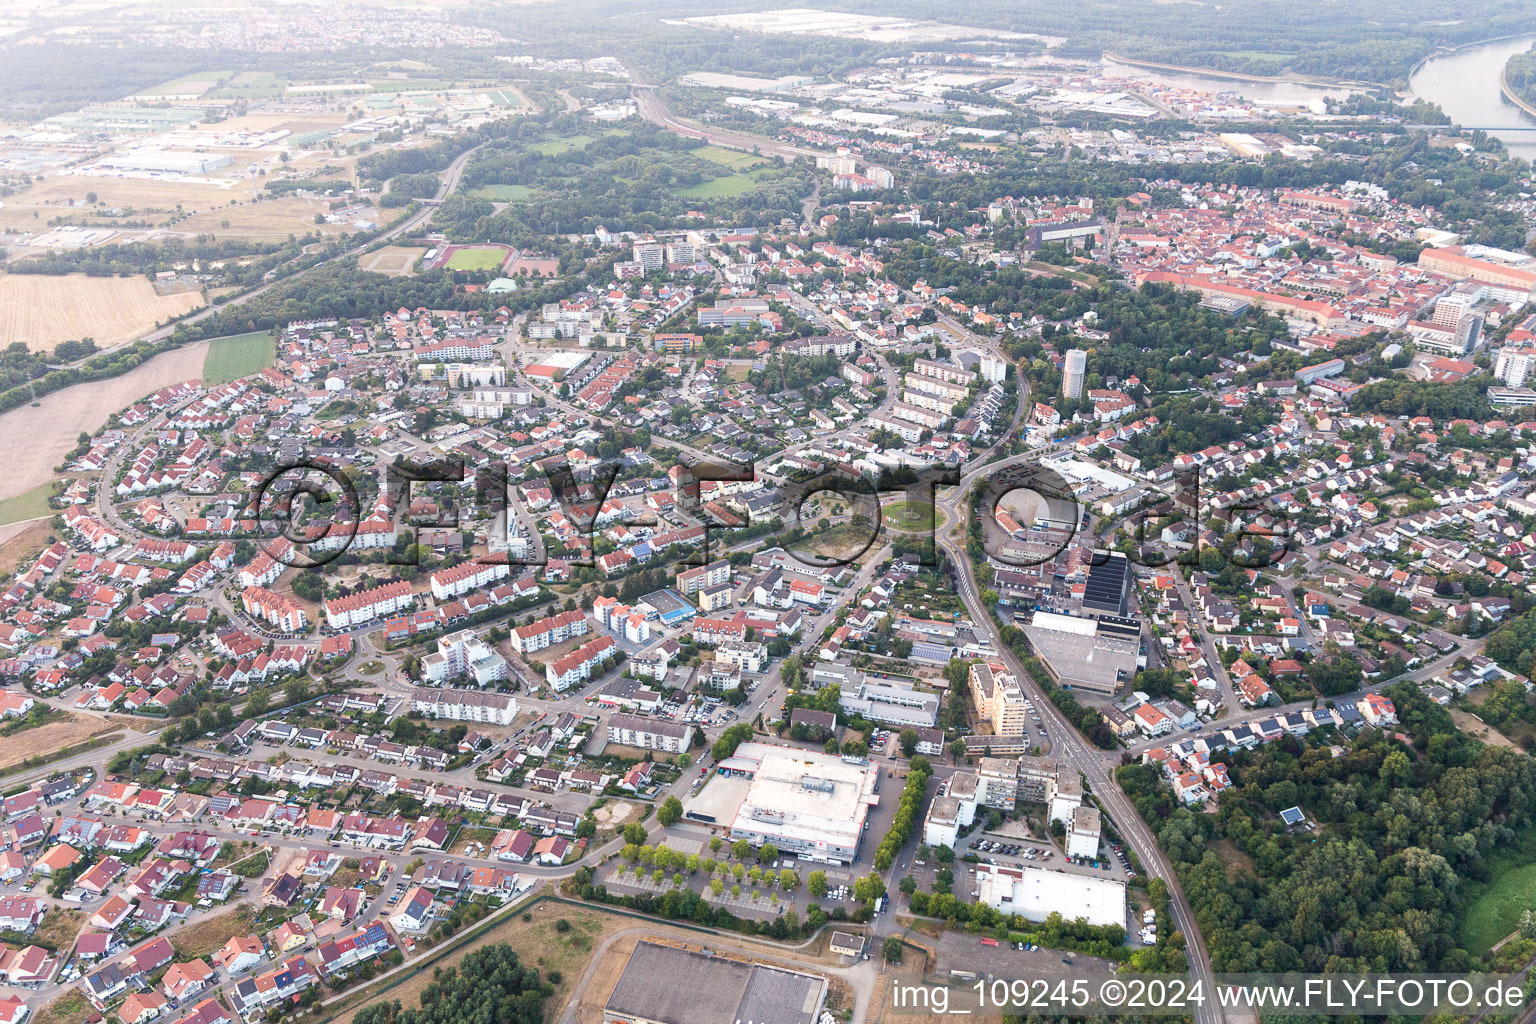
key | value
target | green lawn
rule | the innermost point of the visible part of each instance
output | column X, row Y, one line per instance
column 554, row 147
column 1496, row 906
column 504, row 193
column 732, row 158
column 727, row 186
column 477, row 259
column 238, row 355
column 189, row 83
column 27, row 505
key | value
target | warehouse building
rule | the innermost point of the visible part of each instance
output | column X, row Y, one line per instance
column 1037, row 893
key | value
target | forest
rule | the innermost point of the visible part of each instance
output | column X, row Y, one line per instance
column 1378, row 884
column 568, row 178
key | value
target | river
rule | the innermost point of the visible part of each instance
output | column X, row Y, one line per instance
column 1466, row 85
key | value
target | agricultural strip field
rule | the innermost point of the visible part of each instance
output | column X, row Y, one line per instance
column 237, row 356
column 43, row 310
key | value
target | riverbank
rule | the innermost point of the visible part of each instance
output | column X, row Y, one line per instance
column 1510, row 94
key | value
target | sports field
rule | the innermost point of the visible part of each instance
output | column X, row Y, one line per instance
column 394, row 260
column 477, row 258
column 43, row 310
column 238, row 355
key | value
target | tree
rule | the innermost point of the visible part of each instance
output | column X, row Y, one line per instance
column 892, row 949
column 767, row 853
column 296, row 691
column 634, row 834
column 670, row 811
column 741, row 849
column 868, row 889
column 908, row 740
column 816, row 883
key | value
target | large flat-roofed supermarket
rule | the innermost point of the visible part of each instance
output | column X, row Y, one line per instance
column 802, row 801
column 1036, row 893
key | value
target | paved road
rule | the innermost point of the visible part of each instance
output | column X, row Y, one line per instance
column 1069, row 747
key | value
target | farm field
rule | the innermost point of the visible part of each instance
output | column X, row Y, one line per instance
column 477, row 258
column 394, row 260
column 237, row 356
column 264, row 219
column 195, row 84
column 43, row 310
column 727, row 186
column 53, row 197
column 53, row 422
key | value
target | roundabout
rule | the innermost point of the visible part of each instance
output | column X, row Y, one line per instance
column 912, row 517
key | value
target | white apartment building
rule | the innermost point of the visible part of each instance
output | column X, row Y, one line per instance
column 465, row 705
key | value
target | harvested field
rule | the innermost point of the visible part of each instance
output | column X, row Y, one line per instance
column 55, row 195
column 394, row 260
column 46, row 739
column 43, row 310
column 52, row 425
column 267, row 219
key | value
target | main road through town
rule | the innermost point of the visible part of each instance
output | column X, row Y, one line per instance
column 1068, row 745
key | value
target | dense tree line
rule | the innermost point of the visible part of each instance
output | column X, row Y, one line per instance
column 1520, row 74
column 488, row 986
column 909, row 811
